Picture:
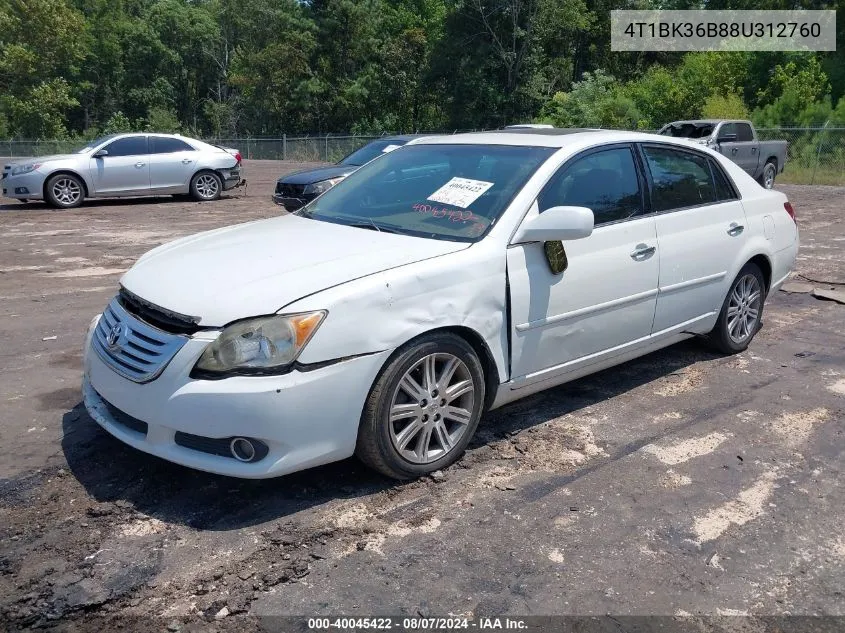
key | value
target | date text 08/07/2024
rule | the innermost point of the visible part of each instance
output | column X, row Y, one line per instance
column 416, row 624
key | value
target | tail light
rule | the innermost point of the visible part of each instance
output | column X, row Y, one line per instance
column 238, row 158
column 790, row 211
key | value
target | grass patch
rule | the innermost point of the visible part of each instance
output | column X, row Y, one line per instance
column 800, row 175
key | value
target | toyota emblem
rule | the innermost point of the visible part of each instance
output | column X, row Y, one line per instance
column 113, row 337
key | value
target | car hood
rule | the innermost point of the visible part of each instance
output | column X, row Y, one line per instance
column 44, row 159
column 258, row 268
column 316, row 175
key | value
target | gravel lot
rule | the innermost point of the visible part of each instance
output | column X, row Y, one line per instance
column 681, row 483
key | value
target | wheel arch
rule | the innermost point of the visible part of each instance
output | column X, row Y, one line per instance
column 479, row 346
column 765, row 266
column 67, row 172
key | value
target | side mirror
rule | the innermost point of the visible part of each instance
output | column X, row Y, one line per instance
column 726, row 138
column 101, row 153
column 557, row 224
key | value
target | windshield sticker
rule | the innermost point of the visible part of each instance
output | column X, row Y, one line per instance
column 390, row 148
column 460, row 192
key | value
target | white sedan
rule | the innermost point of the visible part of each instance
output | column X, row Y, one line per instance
column 439, row 281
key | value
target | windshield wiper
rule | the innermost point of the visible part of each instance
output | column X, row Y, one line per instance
column 374, row 227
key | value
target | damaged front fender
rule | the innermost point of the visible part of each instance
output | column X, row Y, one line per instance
column 383, row 311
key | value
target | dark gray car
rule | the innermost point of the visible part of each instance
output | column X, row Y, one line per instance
column 301, row 187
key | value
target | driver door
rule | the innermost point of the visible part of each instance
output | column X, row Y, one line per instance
column 603, row 303
column 125, row 170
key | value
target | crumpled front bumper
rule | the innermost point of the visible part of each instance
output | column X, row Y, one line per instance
column 306, row 418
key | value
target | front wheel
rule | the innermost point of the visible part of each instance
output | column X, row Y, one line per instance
column 742, row 311
column 206, row 186
column 65, row 191
column 767, row 178
column 423, row 409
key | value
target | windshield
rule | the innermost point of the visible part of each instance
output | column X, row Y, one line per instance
column 688, row 130
column 452, row 192
column 92, row 144
column 371, row 151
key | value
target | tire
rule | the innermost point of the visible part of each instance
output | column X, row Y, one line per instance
column 425, row 435
column 206, row 186
column 65, row 191
column 770, row 170
column 742, row 311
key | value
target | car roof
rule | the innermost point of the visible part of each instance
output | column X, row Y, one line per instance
column 400, row 137
column 556, row 137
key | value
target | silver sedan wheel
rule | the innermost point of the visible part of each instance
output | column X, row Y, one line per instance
column 744, row 309
column 207, row 186
column 67, row 191
column 769, row 176
column 431, row 408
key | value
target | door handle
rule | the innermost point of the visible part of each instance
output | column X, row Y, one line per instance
column 733, row 150
column 735, row 229
column 643, row 251
column 186, row 161
column 139, row 165
column 753, row 150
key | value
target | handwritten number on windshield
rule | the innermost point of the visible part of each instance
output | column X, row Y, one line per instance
column 455, row 215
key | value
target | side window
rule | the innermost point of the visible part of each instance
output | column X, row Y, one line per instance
column 164, row 145
column 723, row 190
column 604, row 181
column 727, row 128
column 680, row 179
column 743, row 132
column 130, row 146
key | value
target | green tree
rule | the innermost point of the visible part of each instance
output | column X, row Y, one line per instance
column 595, row 101
column 40, row 49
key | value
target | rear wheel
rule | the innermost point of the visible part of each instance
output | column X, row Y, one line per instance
column 767, row 178
column 65, row 191
column 206, row 186
column 423, row 408
column 742, row 311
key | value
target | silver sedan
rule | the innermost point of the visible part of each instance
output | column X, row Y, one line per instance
column 125, row 165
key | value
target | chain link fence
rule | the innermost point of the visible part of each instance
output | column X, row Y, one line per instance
column 815, row 155
column 325, row 147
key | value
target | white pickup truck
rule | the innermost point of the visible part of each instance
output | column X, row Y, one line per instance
column 737, row 140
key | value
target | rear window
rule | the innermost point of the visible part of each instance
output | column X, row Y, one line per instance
column 166, row 145
column 743, row 132
column 371, row 151
column 679, row 179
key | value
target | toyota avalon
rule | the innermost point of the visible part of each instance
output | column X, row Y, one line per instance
column 439, row 281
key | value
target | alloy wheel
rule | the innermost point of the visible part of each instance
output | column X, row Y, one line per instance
column 744, row 308
column 769, row 176
column 207, row 186
column 67, row 191
column 431, row 408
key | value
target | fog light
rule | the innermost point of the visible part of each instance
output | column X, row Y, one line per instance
column 21, row 190
column 242, row 449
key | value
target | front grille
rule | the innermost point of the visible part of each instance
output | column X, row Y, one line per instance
column 290, row 191
column 124, row 419
column 132, row 348
column 171, row 322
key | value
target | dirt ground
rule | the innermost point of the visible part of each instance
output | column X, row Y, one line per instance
column 684, row 483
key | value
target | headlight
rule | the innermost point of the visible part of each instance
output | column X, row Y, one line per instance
column 25, row 169
column 322, row 186
column 265, row 343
